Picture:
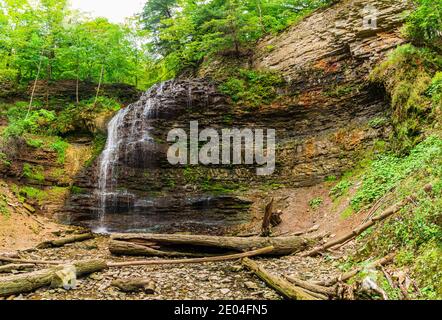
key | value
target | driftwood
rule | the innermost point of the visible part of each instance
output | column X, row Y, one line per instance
column 15, row 267
column 207, row 244
column 252, row 253
column 350, row 274
column 27, row 261
column 135, row 285
column 31, row 281
column 63, row 241
column 265, row 229
column 328, row 291
column 257, row 252
column 282, row 286
column 135, row 249
column 27, row 282
column 356, row 232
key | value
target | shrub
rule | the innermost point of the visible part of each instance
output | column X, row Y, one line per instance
column 252, row 88
column 424, row 25
column 407, row 75
column 33, row 172
column 33, row 193
column 60, row 147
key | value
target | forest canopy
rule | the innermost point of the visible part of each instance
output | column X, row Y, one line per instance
column 49, row 38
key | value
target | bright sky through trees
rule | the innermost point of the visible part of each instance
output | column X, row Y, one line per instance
column 115, row 10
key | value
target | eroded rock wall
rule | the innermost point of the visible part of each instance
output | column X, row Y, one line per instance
column 324, row 122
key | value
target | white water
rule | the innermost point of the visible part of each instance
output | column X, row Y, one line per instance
column 117, row 144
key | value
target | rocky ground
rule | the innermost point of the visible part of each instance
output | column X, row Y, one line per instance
column 221, row 280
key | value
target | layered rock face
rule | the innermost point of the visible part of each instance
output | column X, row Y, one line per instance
column 322, row 127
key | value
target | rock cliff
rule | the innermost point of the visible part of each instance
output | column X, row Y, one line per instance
column 324, row 123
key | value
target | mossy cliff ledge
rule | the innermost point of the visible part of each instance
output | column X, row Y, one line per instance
column 325, row 116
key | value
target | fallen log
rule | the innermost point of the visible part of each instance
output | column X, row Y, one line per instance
column 28, row 282
column 350, row 274
column 15, row 267
column 27, row 261
column 356, row 232
column 210, row 244
column 63, row 241
column 133, row 249
column 328, row 291
column 257, row 252
column 134, row 285
column 283, row 287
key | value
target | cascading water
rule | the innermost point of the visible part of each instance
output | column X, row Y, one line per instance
column 135, row 188
column 120, row 142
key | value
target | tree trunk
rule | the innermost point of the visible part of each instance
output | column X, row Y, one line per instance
column 265, row 229
column 15, row 267
column 236, row 256
column 99, row 85
column 28, row 282
column 209, row 244
column 283, row 287
column 63, row 241
column 34, row 87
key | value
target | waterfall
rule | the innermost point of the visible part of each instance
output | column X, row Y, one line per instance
column 124, row 141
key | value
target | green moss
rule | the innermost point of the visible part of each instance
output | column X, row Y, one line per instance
column 35, row 173
column 378, row 122
column 347, row 213
column 35, row 143
column 407, row 75
column 76, row 190
column 33, row 193
column 98, row 145
column 252, row 88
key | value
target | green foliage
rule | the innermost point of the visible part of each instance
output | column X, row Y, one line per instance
column 98, row 145
column 316, row 203
column 428, row 269
column 4, row 159
column 252, row 88
column 408, row 74
column 33, row 172
column 378, row 122
column 340, row 189
column 388, row 170
column 60, row 147
column 4, row 209
column 32, row 193
column 36, row 122
column 331, row 178
column 424, row 25
column 65, row 44
column 76, row 190
column 185, row 32
column 34, row 143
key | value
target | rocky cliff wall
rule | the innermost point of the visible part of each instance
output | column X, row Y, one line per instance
column 326, row 120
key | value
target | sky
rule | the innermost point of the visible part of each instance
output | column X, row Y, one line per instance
column 115, row 10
